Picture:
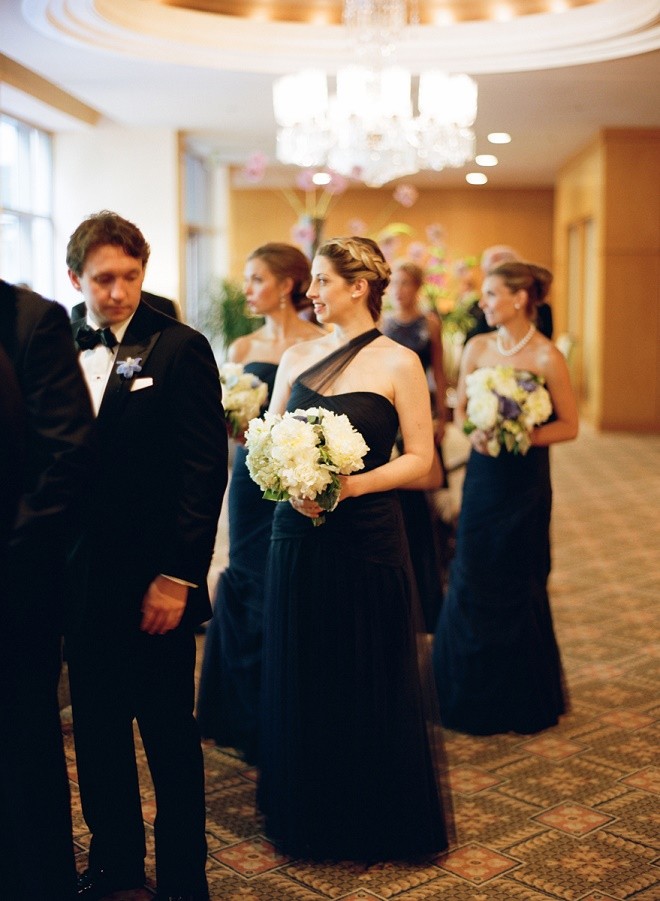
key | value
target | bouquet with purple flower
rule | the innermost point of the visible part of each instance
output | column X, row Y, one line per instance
column 506, row 404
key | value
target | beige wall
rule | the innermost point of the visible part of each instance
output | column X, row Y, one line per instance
column 473, row 218
column 615, row 186
column 134, row 172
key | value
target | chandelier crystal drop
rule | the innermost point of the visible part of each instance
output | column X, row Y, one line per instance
column 369, row 129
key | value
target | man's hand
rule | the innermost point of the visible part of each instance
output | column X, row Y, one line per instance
column 163, row 606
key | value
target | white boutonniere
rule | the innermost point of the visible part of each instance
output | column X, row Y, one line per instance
column 127, row 368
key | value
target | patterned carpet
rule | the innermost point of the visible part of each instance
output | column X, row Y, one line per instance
column 571, row 814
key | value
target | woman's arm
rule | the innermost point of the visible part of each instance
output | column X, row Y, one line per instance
column 437, row 365
column 565, row 425
column 409, row 385
column 469, row 362
column 283, row 382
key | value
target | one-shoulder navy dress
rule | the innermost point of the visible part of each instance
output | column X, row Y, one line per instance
column 346, row 768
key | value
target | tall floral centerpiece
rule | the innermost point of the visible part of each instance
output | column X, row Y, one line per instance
column 449, row 287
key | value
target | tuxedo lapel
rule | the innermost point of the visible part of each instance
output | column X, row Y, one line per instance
column 140, row 338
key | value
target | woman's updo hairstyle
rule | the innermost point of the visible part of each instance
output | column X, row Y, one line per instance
column 287, row 261
column 358, row 257
column 529, row 277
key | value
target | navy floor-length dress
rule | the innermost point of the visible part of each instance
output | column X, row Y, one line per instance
column 424, row 538
column 228, row 701
column 346, row 768
column 495, row 658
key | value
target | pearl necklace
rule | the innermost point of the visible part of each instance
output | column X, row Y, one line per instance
column 516, row 347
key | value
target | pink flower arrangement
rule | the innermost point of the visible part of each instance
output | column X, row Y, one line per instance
column 406, row 195
column 255, row 168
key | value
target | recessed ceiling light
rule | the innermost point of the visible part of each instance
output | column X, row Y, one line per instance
column 476, row 178
column 321, row 178
column 503, row 13
column 443, row 17
column 259, row 15
column 486, row 159
column 499, row 137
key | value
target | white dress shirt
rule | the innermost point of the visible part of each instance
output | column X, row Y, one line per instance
column 97, row 362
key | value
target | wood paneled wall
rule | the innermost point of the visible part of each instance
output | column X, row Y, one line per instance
column 614, row 184
column 473, row 219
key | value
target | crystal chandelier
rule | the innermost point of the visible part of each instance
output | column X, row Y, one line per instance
column 369, row 130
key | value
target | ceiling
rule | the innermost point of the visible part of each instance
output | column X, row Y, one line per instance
column 550, row 79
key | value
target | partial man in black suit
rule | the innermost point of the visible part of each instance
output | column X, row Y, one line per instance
column 157, row 301
column 141, row 566
column 46, row 427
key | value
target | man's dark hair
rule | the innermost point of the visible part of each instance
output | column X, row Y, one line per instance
column 101, row 228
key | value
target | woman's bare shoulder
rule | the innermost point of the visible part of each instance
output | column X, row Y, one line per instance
column 395, row 356
column 239, row 349
column 307, row 349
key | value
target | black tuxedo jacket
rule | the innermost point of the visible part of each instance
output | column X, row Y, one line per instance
column 155, row 504
column 162, row 304
column 58, row 420
column 52, row 424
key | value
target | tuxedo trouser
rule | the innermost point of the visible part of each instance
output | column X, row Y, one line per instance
column 36, row 844
column 117, row 678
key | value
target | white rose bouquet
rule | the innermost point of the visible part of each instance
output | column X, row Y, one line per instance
column 506, row 404
column 300, row 454
column 243, row 396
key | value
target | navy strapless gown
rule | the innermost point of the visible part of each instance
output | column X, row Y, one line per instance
column 495, row 658
column 228, row 700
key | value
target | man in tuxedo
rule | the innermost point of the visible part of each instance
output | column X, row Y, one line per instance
column 141, row 566
column 157, row 301
column 46, row 455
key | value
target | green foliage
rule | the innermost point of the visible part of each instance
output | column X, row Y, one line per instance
column 225, row 315
column 459, row 319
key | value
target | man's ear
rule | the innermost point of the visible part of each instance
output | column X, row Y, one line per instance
column 75, row 281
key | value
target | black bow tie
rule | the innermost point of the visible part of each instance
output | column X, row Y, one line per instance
column 88, row 337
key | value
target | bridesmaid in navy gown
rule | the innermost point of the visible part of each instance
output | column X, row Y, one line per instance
column 347, row 767
column 496, row 660
column 276, row 279
column 409, row 325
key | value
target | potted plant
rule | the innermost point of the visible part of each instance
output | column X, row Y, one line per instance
column 225, row 317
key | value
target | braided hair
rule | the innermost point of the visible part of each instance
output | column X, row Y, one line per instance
column 358, row 257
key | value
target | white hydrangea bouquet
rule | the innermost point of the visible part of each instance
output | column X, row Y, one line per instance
column 506, row 404
column 299, row 455
column 243, row 396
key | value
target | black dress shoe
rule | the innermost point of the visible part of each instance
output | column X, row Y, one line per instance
column 194, row 896
column 96, row 884
column 202, row 895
